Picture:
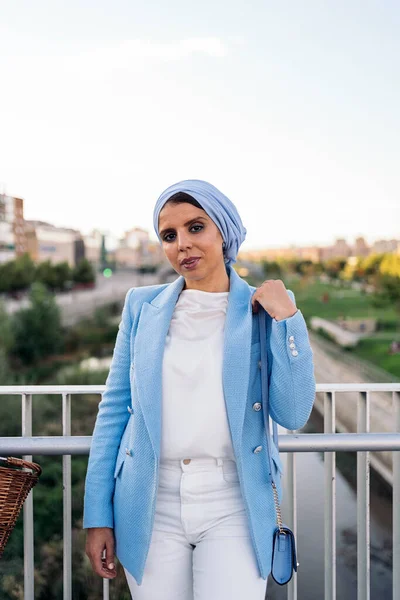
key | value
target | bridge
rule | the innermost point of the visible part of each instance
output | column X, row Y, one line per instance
column 363, row 442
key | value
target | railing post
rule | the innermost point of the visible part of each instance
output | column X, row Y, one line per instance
column 396, row 502
column 29, row 582
column 106, row 588
column 292, row 515
column 363, row 504
column 330, row 500
column 67, row 521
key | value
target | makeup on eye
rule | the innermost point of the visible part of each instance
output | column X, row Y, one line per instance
column 194, row 225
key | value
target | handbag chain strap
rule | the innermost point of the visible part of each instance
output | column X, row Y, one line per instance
column 265, row 399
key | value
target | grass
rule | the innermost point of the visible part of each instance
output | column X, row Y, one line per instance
column 353, row 304
column 342, row 301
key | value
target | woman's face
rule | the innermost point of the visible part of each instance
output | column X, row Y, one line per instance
column 187, row 231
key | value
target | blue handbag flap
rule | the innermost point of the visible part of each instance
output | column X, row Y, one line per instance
column 284, row 559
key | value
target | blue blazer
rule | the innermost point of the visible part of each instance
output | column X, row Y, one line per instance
column 122, row 475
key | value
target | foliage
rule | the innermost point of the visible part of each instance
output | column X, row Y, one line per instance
column 271, row 269
column 17, row 274
column 390, row 265
column 37, row 329
column 6, row 330
column 334, row 266
column 387, row 292
column 55, row 276
column 83, row 272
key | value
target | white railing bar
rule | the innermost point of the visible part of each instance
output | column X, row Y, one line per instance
column 67, row 521
column 299, row 442
column 358, row 387
column 106, row 589
column 396, row 502
column 51, row 389
column 292, row 515
column 26, row 430
column 99, row 389
column 363, row 504
column 330, row 501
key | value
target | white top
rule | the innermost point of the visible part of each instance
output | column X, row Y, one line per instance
column 194, row 418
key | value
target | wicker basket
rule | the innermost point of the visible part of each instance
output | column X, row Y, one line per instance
column 15, row 484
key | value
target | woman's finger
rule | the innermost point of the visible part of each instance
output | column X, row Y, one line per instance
column 109, row 557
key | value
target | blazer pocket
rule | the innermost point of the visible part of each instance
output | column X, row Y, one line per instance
column 119, row 462
column 276, row 458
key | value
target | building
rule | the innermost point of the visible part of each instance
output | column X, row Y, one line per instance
column 12, row 228
column 361, row 248
column 383, row 246
column 56, row 244
column 93, row 247
column 136, row 249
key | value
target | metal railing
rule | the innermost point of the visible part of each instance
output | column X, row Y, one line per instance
column 363, row 442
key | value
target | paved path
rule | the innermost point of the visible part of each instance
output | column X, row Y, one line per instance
column 78, row 304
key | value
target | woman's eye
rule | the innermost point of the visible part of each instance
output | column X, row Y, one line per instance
column 166, row 238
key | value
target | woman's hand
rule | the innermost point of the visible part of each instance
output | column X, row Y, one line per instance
column 98, row 539
column 273, row 296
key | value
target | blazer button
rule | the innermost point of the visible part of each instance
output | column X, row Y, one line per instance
column 259, row 364
column 257, row 406
column 130, row 409
column 257, row 450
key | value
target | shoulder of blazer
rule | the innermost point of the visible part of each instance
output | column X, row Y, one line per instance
column 291, row 294
column 145, row 293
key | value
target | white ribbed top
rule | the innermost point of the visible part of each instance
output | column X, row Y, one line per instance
column 194, row 418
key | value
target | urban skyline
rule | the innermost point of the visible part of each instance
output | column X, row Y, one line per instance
column 247, row 246
column 43, row 240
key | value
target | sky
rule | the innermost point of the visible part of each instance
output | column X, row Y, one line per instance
column 290, row 108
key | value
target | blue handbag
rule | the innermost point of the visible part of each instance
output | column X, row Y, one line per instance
column 284, row 560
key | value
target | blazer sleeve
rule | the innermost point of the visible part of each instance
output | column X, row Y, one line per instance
column 292, row 380
column 111, row 421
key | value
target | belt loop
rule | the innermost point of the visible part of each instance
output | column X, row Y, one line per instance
column 220, row 462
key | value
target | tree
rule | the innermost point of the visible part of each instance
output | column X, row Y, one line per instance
column 62, row 275
column 6, row 331
column 387, row 282
column 17, row 274
column 24, row 272
column 334, row 266
column 83, row 272
column 46, row 274
column 37, row 329
column 388, row 292
column 271, row 269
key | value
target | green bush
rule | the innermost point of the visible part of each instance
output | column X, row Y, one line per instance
column 37, row 329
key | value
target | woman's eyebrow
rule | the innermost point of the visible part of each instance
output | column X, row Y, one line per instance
column 185, row 224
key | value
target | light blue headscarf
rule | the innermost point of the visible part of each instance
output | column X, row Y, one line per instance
column 218, row 207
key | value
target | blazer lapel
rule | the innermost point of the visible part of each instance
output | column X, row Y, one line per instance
column 237, row 348
column 154, row 321
column 153, row 326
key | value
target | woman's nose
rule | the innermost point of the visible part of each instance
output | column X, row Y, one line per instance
column 183, row 241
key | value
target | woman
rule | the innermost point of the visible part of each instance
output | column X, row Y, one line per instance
column 185, row 501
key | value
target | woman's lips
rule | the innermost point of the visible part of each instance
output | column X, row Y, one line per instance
column 191, row 265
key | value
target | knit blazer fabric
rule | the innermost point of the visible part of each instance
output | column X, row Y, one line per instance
column 123, row 468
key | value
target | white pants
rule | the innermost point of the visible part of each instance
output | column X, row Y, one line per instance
column 200, row 547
